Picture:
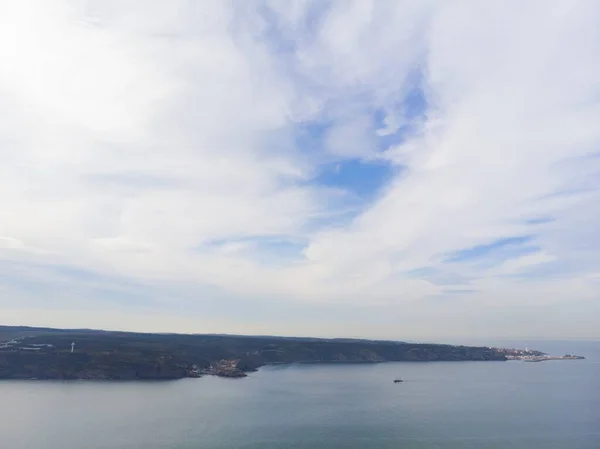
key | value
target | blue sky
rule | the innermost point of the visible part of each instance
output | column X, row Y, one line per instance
column 342, row 168
column 514, row 246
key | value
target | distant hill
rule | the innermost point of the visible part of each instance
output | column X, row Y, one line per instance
column 45, row 353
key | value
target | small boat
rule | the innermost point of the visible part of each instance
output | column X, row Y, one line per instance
column 396, row 381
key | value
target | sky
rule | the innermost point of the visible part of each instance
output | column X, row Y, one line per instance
column 418, row 170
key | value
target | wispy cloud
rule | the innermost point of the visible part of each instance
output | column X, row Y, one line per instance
column 353, row 154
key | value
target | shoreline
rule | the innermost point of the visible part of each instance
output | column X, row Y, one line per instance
column 54, row 354
column 549, row 357
column 239, row 374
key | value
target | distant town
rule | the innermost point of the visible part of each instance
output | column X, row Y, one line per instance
column 529, row 355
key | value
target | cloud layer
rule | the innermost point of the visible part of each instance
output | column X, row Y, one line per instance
column 398, row 169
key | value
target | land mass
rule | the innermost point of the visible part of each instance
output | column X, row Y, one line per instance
column 45, row 353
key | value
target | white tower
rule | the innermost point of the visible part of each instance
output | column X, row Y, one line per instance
column 72, row 347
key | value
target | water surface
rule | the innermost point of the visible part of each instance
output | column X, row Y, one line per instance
column 478, row 405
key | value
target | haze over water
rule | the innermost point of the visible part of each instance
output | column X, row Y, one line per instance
column 470, row 405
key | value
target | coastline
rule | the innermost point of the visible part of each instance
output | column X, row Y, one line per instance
column 55, row 354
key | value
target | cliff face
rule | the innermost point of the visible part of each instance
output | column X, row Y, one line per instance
column 46, row 354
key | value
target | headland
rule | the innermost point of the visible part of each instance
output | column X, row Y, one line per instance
column 45, row 353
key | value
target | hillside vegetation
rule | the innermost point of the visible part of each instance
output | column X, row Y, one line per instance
column 41, row 353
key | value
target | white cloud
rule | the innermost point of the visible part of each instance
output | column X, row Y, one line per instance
column 351, row 138
column 135, row 135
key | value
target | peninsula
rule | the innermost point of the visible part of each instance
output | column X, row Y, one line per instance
column 44, row 353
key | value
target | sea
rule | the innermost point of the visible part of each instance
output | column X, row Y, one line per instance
column 441, row 405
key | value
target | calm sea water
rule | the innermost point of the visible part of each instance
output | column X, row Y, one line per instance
column 489, row 405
